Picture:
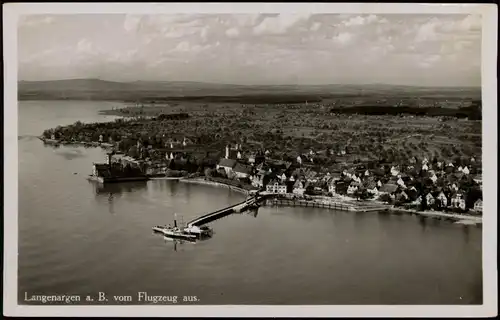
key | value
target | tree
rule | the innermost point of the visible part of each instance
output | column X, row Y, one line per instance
column 208, row 172
column 385, row 198
column 133, row 152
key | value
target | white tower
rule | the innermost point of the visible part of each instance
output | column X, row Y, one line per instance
column 227, row 152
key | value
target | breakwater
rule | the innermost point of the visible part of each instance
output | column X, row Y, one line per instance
column 216, row 184
column 333, row 205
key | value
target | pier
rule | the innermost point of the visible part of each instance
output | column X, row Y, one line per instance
column 239, row 207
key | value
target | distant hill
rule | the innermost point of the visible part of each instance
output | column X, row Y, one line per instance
column 95, row 89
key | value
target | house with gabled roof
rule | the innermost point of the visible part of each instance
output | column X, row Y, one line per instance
column 371, row 187
column 430, row 199
column 242, row 170
column 417, row 201
column 458, row 200
column 226, row 164
column 341, row 187
column 412, row 194
column 353, row 187
column 442, row 198
column 394, row 170
column 402, row 196
column 388, row 188
column 299, row 187
column 478, row 205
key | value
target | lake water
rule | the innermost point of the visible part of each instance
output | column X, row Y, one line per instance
column 76, row 237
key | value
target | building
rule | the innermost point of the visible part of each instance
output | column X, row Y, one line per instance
column 241, row 170
column 371, row 187
column 458, row 200
column 353, row 187
column 442, row 199
column 226, row 164
column 299, row 187
column 430, row 199
column 478, row 205
column 394, row 171
column 388, row 188
column 276, row 187
column 402, row 196
column 341, row 187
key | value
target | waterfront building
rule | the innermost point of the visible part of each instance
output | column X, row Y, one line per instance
column 402, row 196
column 371, row 187
column 430, row 199
column 241, row 170
column 388, row 188
column 442, row 198
column 478, row 205
column 226, row 164
column 417, row 201
column 276, row 187
column 458, row 200
column 299, row 187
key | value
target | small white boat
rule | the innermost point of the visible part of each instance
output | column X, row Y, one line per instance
column 174, row 232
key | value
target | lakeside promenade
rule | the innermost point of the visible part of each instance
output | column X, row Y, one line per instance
column 344, row 204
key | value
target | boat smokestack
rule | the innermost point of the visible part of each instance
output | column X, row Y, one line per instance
column 175, row 223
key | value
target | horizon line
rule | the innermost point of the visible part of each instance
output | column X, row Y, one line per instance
column 249, row 85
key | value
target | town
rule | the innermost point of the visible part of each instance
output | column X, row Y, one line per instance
column 420, row 184
column 300, row 150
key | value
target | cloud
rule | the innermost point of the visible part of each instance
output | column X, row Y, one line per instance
column 185, row 47
column 84, row 46
column 233, row 32
column 371, row 47
column 428, row 61
column 246, row 20
column 34, row 20
column 359, row 20
column 427, row 31
column 343, row 38
column 280, row 24
column 441, row 29
column 131, row 23
column 315, row 26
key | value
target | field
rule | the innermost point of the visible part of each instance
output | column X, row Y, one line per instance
column 329, row 127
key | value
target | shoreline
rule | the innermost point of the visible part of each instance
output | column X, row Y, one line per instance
column 93, row 144
column 335, row 202
column 460, row 218
column 347, row 205
column 215, row 184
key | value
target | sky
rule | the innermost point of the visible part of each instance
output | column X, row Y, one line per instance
column 409, row 49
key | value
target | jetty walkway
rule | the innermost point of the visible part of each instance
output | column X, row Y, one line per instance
column 239, row 207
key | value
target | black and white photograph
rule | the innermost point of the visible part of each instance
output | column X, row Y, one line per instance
column 250, row 157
